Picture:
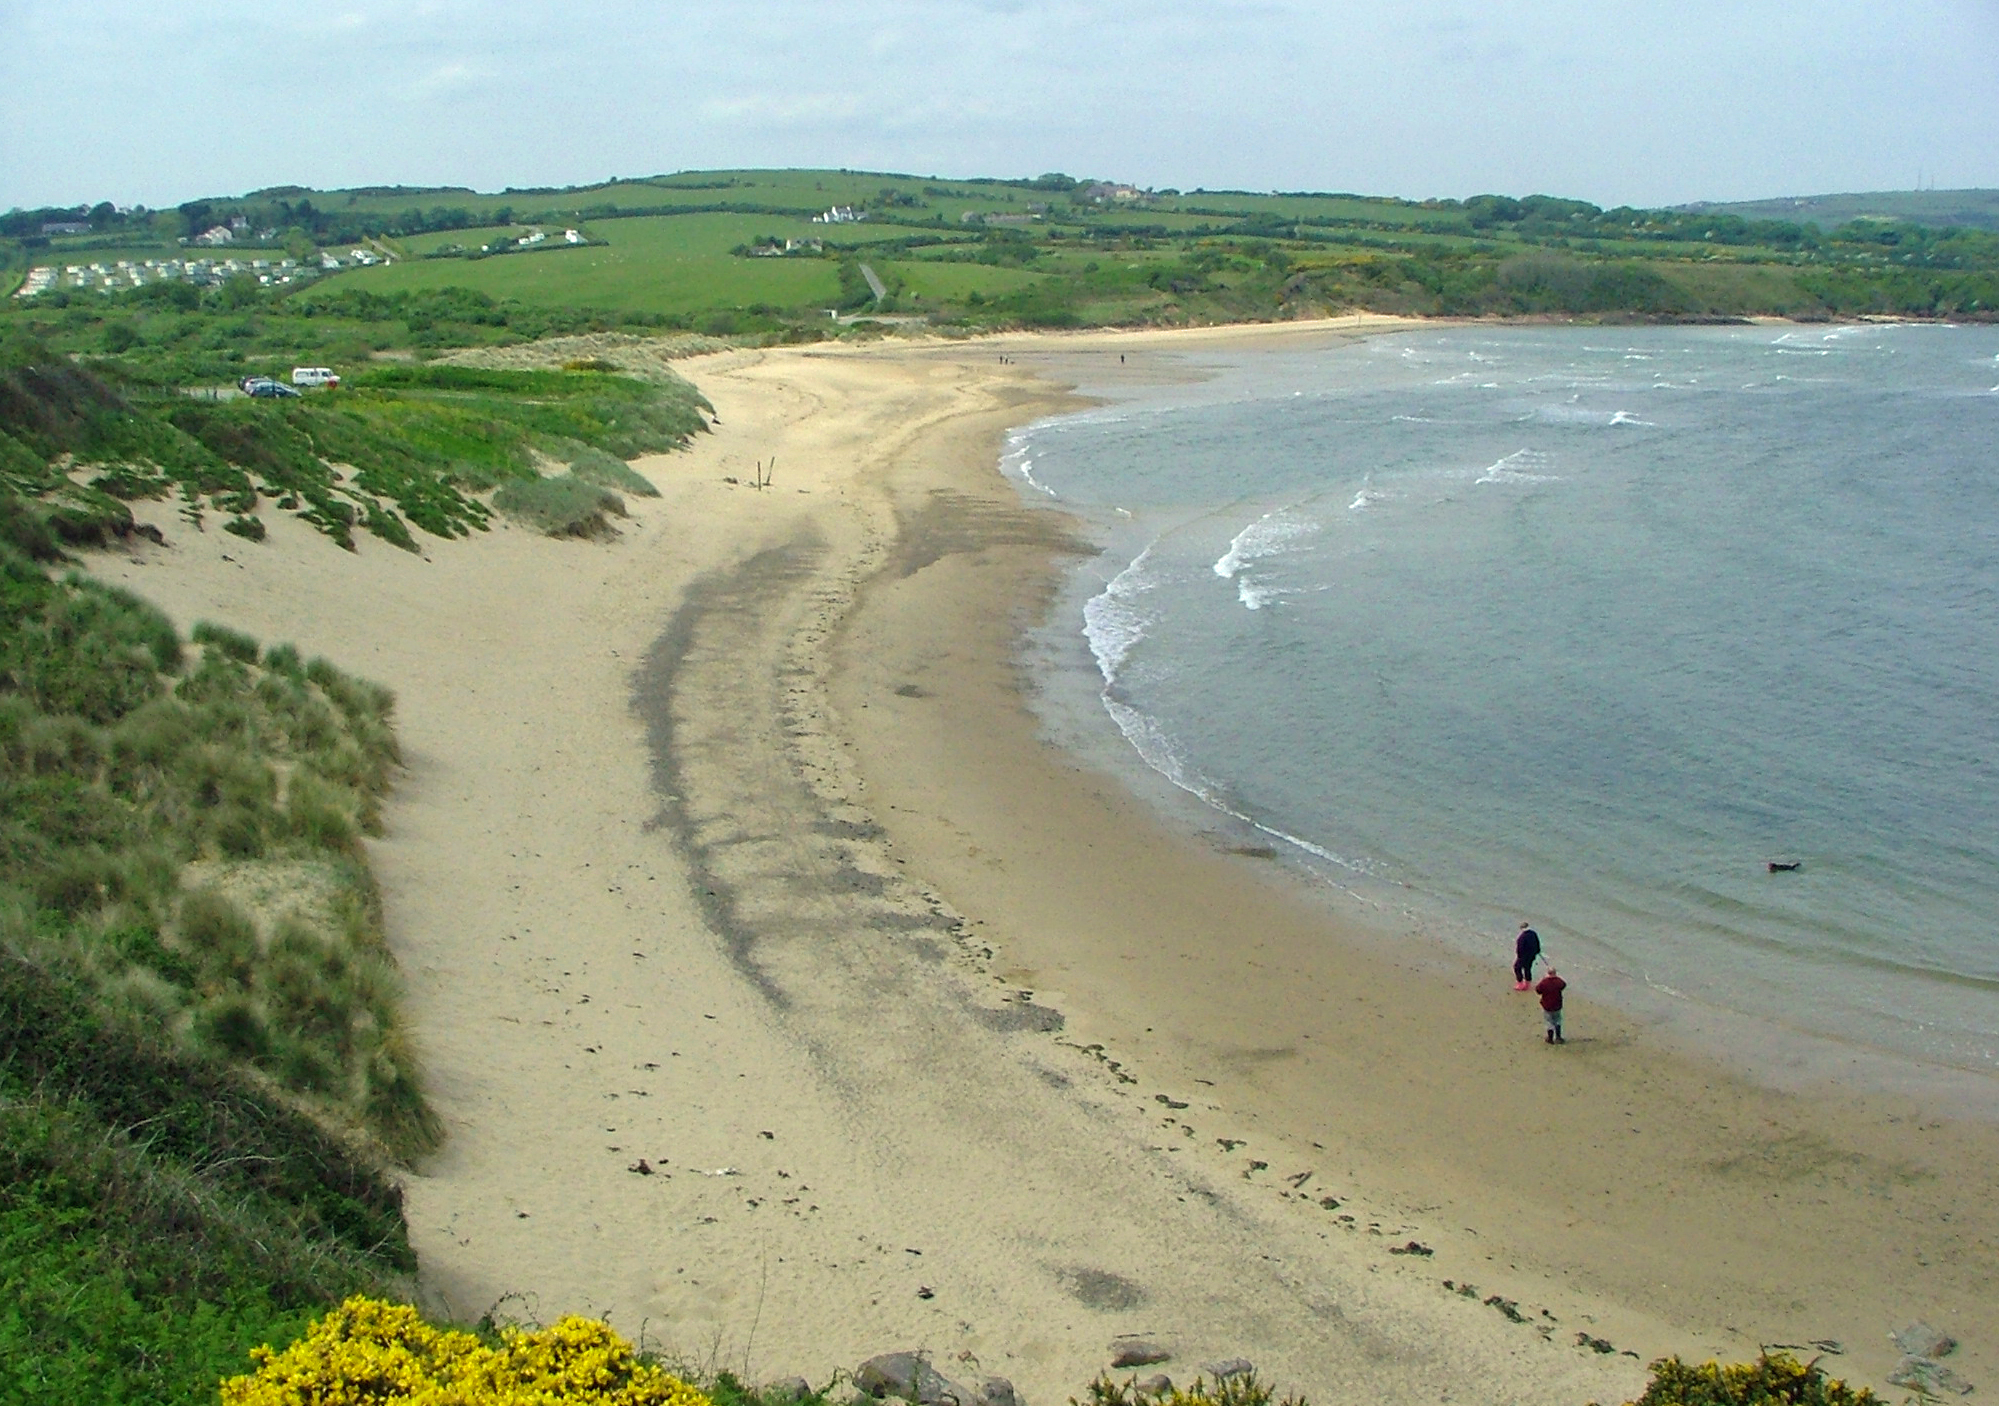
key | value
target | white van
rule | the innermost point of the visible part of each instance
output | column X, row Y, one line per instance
column 314, row 376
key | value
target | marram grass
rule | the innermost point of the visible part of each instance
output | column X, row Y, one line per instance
column 368, row 1352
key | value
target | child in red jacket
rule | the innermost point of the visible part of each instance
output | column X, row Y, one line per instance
column 1550, row 989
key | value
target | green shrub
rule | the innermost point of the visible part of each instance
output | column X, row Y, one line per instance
column 562, row 506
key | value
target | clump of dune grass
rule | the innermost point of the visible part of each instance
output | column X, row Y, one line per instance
column 131, row 762
column 609, row 471
column 561, row 506
column 1246, row 1389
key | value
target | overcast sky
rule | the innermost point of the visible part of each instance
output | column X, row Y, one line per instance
column 1614, row 101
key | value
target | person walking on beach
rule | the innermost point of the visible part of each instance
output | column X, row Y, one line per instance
column 1550, row 990
column 1526, row 948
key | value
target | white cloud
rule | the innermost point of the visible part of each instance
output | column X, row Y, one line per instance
column 450, row 77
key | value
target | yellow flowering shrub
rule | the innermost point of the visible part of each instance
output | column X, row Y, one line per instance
column 370, row 1353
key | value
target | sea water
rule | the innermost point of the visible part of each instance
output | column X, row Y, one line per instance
column 1584, row 627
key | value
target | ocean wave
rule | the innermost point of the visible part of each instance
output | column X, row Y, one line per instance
column 1252, row 596
column 1275, row 532
column 1113, row 622
column 1518, row 467
column 1157, row 748
column 1355, row 866
column 1018, row 462
column 1570, row 414
column 1161, row 751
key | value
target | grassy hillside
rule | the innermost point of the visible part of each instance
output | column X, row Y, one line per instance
column 707, row 251
column 202, row 1065
column 1978, row 209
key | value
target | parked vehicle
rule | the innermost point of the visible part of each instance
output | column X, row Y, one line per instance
column 314, row 376
column 264, row 388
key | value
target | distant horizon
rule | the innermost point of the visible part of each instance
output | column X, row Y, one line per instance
column 415, row 188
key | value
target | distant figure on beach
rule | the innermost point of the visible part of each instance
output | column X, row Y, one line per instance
column 1550, row 990
column 1526, row 948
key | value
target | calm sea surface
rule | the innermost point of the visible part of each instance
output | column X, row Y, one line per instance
column 1582, row 626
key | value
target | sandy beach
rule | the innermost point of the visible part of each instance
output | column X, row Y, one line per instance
column 731, row 845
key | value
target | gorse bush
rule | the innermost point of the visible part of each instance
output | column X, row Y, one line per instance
column 1781, row 1380
column 370, row 1353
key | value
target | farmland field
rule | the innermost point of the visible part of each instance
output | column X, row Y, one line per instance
column 662, row 264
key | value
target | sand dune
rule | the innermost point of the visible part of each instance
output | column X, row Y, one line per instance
column 730, row 845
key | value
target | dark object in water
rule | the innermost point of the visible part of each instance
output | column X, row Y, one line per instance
column 1785, row 866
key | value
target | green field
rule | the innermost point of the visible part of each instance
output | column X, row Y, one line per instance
column 663, row 264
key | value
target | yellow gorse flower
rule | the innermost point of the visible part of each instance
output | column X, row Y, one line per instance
column 370, row 1353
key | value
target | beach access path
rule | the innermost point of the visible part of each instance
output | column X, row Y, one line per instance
column 789, row 1001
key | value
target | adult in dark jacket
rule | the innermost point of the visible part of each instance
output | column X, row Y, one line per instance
column 1526, row 948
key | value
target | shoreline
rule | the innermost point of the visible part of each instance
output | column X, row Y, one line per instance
column 1772, row 1052
column 733, row 844
column 1813, row 1137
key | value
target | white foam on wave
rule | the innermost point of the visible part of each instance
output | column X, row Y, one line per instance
column 1573, row 414
column 1518, row 467
column 1113, row 620
column 1276, row 532
column 1018, row 462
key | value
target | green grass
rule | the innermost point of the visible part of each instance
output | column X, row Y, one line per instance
column 935, row 281
column 415, row 445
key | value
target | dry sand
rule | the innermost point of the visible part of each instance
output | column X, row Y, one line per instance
column 731, row 845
